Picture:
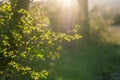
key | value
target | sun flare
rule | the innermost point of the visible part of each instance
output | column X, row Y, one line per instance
column 67, row 3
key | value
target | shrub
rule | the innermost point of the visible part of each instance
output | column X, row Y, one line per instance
column 26, row 48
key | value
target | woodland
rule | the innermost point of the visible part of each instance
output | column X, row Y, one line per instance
column 58, row 40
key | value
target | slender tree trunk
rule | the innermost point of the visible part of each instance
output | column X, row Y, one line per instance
column 23, row 4
column 84, row 19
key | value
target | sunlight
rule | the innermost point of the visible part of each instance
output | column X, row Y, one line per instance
column 67, row 2
column 69, row 11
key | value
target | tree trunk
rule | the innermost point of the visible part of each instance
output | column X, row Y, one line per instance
column 84, row 19
column 23, row 4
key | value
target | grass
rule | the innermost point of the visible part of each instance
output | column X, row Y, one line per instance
column 88, row 61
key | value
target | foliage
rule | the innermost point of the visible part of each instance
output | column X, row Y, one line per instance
column 52, row 10
column 100, row 21
column 27, row 46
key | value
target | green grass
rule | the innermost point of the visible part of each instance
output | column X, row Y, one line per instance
column 86, row 62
